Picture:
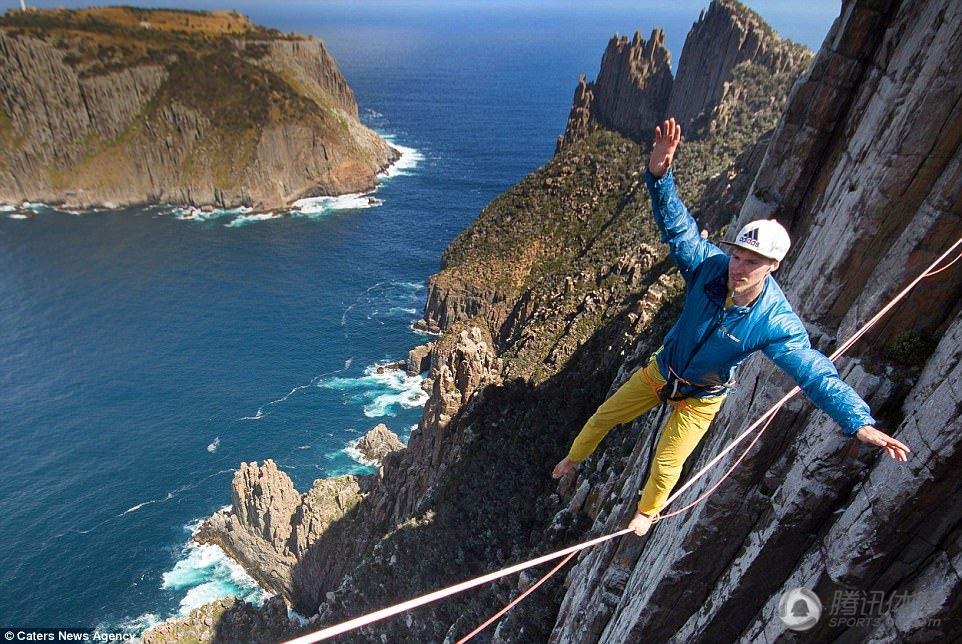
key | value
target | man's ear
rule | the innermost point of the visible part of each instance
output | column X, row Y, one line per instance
column 775, row 265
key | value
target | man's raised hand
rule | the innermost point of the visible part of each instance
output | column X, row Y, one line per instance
column 667, row 138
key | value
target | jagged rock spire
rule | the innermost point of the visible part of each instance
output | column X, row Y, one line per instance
column 630, row 93
column 635, row 89
column 725, row 35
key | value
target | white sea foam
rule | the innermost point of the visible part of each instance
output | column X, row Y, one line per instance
column 379, row 393
column 410, row 158
column 132, row 625
column 315, row 207
column 7, row 208
column 17, row 215
column 134, row 508
column 387, row 299
column 244, row 220
column 258, row 416
column 197, row 214
column 205, row 573
column 356, row 455
column 214, row 445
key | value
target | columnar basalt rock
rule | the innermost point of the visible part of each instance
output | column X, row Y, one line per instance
column 378, row 443
column 725, row 36
column 419, row 359
column 864, row 169
column 630, row 93
column 270, row 524
column 725, row 74
column 82, row 125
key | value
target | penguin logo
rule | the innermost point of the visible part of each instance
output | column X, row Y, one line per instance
column 799, row 609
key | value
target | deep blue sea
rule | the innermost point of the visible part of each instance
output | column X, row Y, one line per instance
column 145, row 353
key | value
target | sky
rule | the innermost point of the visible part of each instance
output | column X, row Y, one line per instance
column 805, row 21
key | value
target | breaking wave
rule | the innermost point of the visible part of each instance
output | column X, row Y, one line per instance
column 202, row 573
column 381, row 390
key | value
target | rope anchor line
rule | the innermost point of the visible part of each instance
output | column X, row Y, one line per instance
column 764, row 421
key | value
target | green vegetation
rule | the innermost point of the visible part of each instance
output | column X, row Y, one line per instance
column 102, row 40
column 220, row 84
column 911, row 348
column 216, row 64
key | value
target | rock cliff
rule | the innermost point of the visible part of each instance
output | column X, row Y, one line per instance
column 631, row 92
column 561, row 289
column 864, row 169
column 122, row 106
column 227, row 620
column 269, row 524
column 378, row 443
column 730, row 58
column 725, row 36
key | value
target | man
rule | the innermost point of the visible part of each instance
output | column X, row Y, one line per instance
column 733, row 307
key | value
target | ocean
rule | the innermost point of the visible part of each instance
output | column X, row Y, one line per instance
column 145, row 353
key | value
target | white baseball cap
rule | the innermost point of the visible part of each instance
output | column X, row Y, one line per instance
column 766, row 237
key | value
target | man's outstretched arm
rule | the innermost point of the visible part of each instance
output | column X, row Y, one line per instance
column 678, row 228
column 818, row 378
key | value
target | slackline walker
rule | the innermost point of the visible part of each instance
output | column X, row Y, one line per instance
column 568, row 553
column 733, row 308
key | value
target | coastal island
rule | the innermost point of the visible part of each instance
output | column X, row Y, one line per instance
column 190, row 108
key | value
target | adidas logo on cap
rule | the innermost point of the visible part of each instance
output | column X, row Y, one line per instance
column 749, row 237
column 766, row 237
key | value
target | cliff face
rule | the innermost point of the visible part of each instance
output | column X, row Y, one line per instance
column 725, row 36
column 864, row 168
column 95, row 110
column 560, row 290
column 270, row 524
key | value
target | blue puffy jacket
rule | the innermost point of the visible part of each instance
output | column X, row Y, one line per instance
column 707, row 343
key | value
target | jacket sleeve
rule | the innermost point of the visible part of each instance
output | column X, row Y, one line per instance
column 819, row 379
column 678, row 228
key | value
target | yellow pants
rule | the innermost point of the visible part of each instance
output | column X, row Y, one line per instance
column 687, row 424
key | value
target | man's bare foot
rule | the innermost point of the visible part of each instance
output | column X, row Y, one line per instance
column 641, row 524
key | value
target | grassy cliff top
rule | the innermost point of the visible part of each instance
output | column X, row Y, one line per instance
column 132, row 22
column 103, row 39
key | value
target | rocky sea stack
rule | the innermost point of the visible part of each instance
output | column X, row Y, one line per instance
column 182, row 107
column 378, row 443
column 561, row 289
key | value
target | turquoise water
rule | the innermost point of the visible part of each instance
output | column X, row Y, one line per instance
column 145, row 353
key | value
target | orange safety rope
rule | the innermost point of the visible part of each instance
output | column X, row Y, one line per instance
column 765, row 418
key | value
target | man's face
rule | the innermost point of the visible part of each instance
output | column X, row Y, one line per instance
column 747, row 270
